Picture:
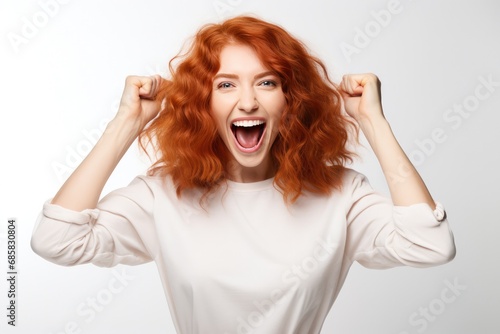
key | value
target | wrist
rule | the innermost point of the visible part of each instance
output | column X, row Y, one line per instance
column 118, row 137
column 370, row 126
column 123, row 127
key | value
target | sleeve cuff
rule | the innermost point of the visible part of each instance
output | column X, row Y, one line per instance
column 70, row 216
column 439, row 212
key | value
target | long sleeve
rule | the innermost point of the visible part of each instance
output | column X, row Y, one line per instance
column 381, row 235
column 119, row 230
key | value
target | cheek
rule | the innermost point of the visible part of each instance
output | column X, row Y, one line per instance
column 279, row 105
column 216, row 112
column 220, row 123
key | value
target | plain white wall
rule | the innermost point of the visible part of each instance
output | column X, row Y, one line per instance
column 62, row 71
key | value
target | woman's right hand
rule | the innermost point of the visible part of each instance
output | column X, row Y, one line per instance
column 140, row 101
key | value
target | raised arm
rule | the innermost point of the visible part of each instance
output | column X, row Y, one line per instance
column 362, row 101
column 139, row 104
column 382, row 235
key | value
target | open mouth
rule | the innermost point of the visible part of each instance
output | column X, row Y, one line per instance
column 248, row 134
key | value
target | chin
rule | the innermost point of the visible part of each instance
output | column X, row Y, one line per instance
column 250, row 160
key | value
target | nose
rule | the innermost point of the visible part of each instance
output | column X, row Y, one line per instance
column 247, row 100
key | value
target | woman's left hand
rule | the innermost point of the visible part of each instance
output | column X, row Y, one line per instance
column 362, row 101
column 361, row 95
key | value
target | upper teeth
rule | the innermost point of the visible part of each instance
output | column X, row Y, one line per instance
column 248, row 123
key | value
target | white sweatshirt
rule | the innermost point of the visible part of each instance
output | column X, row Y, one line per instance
column 246, row 263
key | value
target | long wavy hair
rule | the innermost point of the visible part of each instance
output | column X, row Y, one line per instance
column 310, row 150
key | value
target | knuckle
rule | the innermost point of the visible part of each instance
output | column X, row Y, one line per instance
column 130, row 79
column 374, row 77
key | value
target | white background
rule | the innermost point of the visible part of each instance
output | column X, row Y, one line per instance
column 61, row 80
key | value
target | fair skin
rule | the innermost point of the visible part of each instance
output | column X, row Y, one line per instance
column 246, row 93
column 243, row 90
column 362, row 101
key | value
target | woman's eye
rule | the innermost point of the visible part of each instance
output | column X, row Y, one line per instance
column 224, row 85
column 268, row 83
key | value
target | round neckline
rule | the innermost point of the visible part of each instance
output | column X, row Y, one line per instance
column 250, row 186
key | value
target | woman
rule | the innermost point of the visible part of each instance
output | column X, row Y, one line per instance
column 249, row 212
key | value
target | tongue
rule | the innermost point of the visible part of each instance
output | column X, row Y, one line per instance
column 248, row 137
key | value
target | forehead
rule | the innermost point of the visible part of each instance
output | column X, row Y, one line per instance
column 240, row 58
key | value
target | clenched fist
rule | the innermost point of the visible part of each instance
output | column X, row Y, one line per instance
column 361, row 95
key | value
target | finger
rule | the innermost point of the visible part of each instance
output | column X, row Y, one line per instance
column 356, row 83
column 146, row 87
column 351, row 85
column 370, row 82
column 149, row 87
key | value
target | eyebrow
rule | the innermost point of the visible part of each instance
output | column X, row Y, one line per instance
column 234, row 76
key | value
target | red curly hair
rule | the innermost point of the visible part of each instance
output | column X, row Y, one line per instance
column 309, row 152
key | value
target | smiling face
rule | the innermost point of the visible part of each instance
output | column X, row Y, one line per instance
column 247, row 103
